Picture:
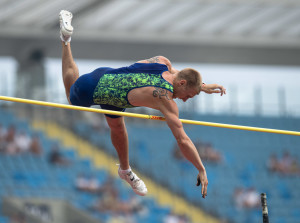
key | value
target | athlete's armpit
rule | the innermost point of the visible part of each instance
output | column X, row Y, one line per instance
column 160, row 92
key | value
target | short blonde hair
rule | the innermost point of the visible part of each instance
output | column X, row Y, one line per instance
column 193, row 78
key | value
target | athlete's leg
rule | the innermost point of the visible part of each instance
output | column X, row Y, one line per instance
column 70, row 71
column 119, row 138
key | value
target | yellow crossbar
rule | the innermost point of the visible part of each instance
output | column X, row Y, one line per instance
column 143, row 116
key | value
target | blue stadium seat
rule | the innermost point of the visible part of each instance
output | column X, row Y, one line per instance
column 4, row 219
column 245, row 153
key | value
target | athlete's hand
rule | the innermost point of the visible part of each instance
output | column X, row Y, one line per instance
column 213, row 88
column 202, row 179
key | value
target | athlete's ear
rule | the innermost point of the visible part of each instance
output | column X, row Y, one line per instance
column 182, row 82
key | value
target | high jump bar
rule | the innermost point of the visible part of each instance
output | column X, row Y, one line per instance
column 144, row 116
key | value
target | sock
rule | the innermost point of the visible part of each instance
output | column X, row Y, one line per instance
column 125, row 171
column 65, row 39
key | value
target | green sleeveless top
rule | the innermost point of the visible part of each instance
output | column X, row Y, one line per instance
column 113, row 88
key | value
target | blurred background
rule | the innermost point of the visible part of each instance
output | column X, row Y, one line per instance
column 59, row 166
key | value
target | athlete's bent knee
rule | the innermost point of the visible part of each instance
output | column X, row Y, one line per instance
column 116, row 124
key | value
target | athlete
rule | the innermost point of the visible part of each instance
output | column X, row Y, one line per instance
column 152, row 83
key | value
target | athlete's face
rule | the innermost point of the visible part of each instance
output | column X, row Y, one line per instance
column 181, row 91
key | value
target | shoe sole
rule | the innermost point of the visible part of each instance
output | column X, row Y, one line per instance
column 65, row 30
column 139, row 193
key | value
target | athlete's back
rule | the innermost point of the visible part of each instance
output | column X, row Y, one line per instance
column 110, row 86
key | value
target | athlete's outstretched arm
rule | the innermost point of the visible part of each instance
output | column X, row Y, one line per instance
column 162, row 60
column 187, row 147
column 213, row 88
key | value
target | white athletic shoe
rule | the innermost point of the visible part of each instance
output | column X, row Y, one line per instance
column 136, row 183
column 66, row 29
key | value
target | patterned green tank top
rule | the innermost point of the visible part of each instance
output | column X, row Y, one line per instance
column 114, row 86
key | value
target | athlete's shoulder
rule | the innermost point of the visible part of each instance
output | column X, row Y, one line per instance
column 156, row 59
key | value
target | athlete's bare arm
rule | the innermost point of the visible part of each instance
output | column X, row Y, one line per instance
column 213, row 88
column 170, row 110
column 162, row 60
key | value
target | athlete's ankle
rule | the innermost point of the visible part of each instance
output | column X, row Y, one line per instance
column 125, row 171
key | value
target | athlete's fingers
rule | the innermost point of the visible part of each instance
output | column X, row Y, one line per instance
column 204, row 188
column 215, row 91
column 198, row 181
column 223, row 91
